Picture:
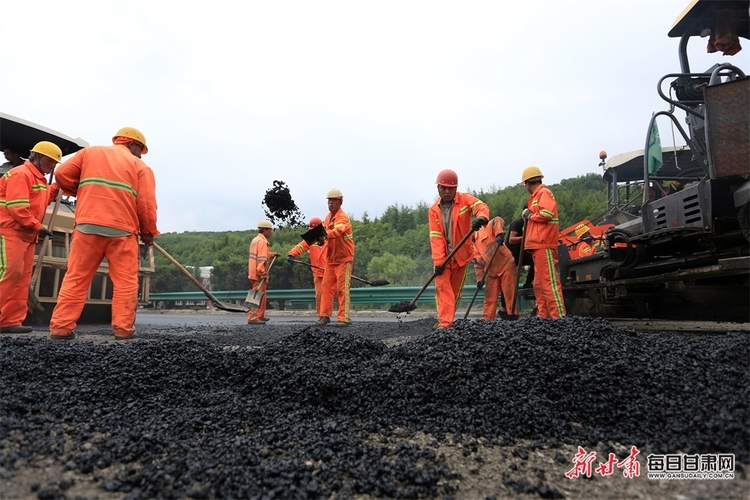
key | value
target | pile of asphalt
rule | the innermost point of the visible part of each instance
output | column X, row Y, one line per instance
column 315, row 413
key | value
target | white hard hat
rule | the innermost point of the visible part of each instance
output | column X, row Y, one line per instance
column 265, row 224
column 334, row 193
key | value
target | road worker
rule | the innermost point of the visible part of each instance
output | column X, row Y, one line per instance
column 12, row 159
column 258, row 266
column 495, row 269
column 317, row 260
column 337, row 277
column 542, row 228
column 515, row 235
column 115, row 205
column 24, row 196
column 450, row 219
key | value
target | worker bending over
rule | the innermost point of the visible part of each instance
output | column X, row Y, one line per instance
column 317, row 260
column 495, row 269
column 115, row 204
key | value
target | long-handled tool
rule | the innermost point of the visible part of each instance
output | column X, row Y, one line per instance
column 255, row 296
column 406, row 306
column 33, row 300
column 476, row 292
column 518, row 267
column 217, row 303
column 371, row 283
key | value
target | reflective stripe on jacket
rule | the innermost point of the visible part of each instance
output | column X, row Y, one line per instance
column 24, row 196
column 257, row 264
column 464, row 207
column 339, row 241
column 543, row 226
column 113, row 188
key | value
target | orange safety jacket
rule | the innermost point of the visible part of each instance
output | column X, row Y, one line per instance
column 464, row 206
column 485, row 246
column 24, row 196
column 543, row 227
column 317, row 255
column 339, row 239
column 260, row 257
column 113, row 189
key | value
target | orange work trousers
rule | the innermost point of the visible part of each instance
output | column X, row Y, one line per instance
column 86, row 254
column 256, row 313
column 337, row 280
column 505, row 283
column 449, row 288
column 547, row 287
column 16, row 268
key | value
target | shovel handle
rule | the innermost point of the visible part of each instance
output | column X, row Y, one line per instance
column 318, row 267
column 476, row 292
column 186, row 272
column 519, row 265
column 449, row 257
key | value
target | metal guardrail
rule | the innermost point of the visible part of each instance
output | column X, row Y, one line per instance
column 303, row 296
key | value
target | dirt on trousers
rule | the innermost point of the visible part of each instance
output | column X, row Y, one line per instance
column 386, row 409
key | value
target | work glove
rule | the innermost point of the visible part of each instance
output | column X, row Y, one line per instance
column 439, row 270
column 526, row 213
column 45, row 232
column 499, row 239
column 478, row 222
column 480, row 284
column 147, row 239
column 290, row 259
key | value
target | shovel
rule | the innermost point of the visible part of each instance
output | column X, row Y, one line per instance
column 518, row 266
column 405, row 306
column 33, row 300
column 216, row 302
column 254, row 296
column 371, row 283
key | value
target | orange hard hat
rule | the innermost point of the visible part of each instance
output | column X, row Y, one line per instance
column 447, row 178
column 315, row 221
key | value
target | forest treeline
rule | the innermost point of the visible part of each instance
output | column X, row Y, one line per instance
column 394, row 246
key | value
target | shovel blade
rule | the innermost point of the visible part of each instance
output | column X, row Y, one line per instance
column 229, row 307
column 403, row 306
column 253, row 298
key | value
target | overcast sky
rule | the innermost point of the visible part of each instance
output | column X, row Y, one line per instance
column 374, row 98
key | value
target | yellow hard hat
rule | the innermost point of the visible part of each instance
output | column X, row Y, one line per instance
column 132, row 133
column 581, row 229
column 265, row 224
column 530, row 173
column 334, row 193
column 48, row 149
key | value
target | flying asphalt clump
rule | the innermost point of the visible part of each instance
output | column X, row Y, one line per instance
column 282, row 211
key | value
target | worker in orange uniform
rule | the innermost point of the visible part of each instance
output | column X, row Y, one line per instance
column 337, row 277
column 586, row 244
column 258, row 266
column 317, row 260
column 24, row 196
column 115, row 205
column 450, row 219
column 542, row 228
column 495, row 269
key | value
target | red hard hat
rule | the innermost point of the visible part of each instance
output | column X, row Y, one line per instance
column 315, row 221
column 447, row 178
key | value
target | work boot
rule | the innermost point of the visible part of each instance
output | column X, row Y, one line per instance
column 16, row 329
column 324, row 320
column 264, row 320
column 69, row 336
column 127, row 336
column 256, row 322
column 344, row 323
